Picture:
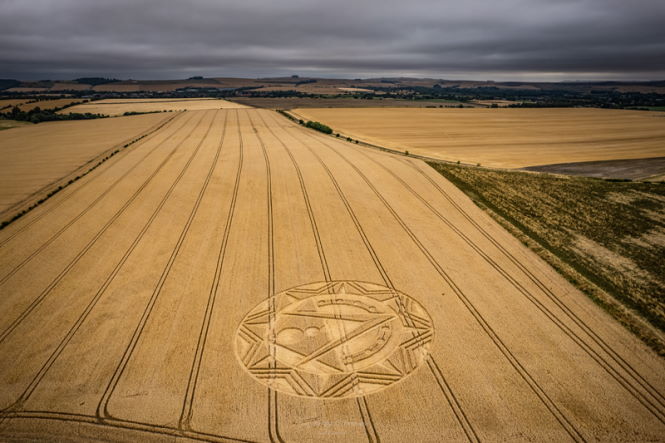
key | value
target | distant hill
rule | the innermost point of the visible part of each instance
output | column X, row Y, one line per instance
column 312, row 85
column 8, row 83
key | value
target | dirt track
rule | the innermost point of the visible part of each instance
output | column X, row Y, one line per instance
column 242, row 278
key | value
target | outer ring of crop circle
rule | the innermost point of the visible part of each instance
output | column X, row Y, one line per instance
column 322, row 284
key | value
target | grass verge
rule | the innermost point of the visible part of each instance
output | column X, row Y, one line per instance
column 606, row 237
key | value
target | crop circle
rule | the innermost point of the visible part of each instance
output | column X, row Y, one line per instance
column 335, row 339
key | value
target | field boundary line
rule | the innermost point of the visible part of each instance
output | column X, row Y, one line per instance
column 343, row 137
column 64, row 228
column 111, row 162
column 86, row 248
column 86, row 164
column 636, row 324
column 614, row 355
column 61, row 183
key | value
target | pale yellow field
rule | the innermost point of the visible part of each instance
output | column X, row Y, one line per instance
column 509, row 138
column 28, row 89
column 48, row 104
column 120, row 106
column 35, row 157
column 355, row 90
column 236, row 277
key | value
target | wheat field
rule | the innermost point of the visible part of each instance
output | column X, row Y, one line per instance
column 35, row 157
column 120, row 106
column 236, row 277
column 506, row 138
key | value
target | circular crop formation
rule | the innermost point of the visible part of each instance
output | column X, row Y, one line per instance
column 335, row 339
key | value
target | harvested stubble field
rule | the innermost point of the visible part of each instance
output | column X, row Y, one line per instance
column 120, row 106
column 34, row 157
column 337, row 102
column 236, row 277
column 506, row 138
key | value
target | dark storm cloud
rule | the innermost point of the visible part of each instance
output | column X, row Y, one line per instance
column 535, row 39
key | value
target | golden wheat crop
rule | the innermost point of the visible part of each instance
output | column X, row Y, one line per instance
column 238, row 277
column 508, row 138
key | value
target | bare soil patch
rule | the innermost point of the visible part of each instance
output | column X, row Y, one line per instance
column 633, row 169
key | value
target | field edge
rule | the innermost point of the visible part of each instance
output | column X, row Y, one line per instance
column 34, row 200
column 629, row 318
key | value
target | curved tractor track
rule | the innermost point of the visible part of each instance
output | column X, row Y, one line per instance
column 235, row 277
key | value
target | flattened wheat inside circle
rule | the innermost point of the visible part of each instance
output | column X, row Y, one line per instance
column 334, row 339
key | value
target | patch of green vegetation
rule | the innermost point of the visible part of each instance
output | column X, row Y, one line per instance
column 319, row 127
column 38, row 115
column 287, row 115
column 128, row 113
column 8, row 124
column 606, row 237
column 650, row 108
column 433, row 100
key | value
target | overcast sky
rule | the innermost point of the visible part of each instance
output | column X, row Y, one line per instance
column 470, row 39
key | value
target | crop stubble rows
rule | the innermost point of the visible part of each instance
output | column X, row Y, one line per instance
column 125, row 317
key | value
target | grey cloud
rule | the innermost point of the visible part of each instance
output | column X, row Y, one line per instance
column 521, row 39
